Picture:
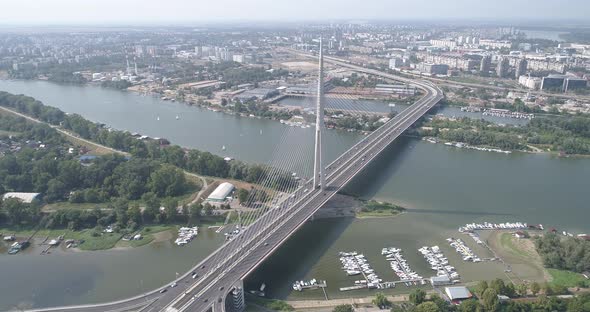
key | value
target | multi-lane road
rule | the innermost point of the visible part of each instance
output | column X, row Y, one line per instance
column 206, row 286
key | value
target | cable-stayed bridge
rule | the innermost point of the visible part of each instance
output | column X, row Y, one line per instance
column 215, row 283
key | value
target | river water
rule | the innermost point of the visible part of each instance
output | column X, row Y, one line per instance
column 443, row 188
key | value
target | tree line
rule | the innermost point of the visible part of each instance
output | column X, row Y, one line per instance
column 565, row 253
column 570, row 134
column 486, row 300
column 199, row 162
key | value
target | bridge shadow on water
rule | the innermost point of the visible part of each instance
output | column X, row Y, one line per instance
column 367, row 182
column 459, row 212
column 296, row 257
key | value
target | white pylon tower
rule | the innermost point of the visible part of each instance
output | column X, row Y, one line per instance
column 318, row 167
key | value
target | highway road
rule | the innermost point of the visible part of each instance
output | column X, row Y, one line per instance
column 205, row 287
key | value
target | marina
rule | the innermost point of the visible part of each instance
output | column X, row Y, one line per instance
column 477, row 148
column 400, row 266
column 497, row 226
column 496, row 112
column 439, row 263
column 185, row 235
column 356, row 264
column 463, row 250
column 311, row 284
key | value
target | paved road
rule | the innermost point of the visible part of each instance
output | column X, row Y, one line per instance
column 215, row 276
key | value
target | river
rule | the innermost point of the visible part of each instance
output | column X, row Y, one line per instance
column 443, row 188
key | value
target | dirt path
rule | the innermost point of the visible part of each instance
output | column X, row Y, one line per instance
column 311, row 304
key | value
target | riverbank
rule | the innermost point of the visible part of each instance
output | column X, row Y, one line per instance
column 87, row 239
column 563, row 135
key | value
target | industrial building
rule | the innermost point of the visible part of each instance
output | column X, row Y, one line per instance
column 532, row 83
column 26, row 198
column 458, row 293
column 398, row 62
column 433, row 69
column 563, row 83
column 221, row 193
column 440, row 280
column 395, row 89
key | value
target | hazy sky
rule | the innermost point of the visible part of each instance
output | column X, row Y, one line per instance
column 182, row 11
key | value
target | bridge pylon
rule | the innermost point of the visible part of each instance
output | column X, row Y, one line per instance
column 238, row 302
column 318, row 167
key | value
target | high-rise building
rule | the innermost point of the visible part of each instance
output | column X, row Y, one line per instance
column 520, row 70
column 502, row 68
column 485, row 65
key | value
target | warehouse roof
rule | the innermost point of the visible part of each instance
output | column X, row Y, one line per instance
column 458, row 293
column 221, row 192
column 24, row 197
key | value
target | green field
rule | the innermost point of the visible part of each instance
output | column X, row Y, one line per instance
column 507, row 242
column 566, row 278
column 101, row 242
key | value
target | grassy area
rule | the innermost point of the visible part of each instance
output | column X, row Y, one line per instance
column 186, row 198
column 566, row 278
column 102, row 242
column 8, row 133
column 379, row 209
column 377, row 214
column 68, row 205
column 93, row 149
column 507, row 242
column 91, row 242
column 148, row 234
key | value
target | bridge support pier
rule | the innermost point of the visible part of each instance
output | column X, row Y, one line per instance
column 237, row 295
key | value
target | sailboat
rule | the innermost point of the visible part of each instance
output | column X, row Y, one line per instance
column 223, row 148
column 158, row 118
column 177, row 117
column 260, row 131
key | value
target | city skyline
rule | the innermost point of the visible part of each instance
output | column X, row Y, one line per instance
column 63, row 12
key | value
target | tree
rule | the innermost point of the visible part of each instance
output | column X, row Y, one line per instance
column 417, row 296
column 442, row 304
column 343, row 308
column 522, row 289
column 134, row 213
column 121, row 206
column 167, row 181
column 427, row 307
column 243, row 195
column 480, row 288
column 15, row 210
column 208, row 209
column 55, row 190
column 490, row 300
column 535, row 288
column 152, row 206
column 498, row 285
column 195, row 211
column 470, row 305
column 171, row 208
column 381, row 301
